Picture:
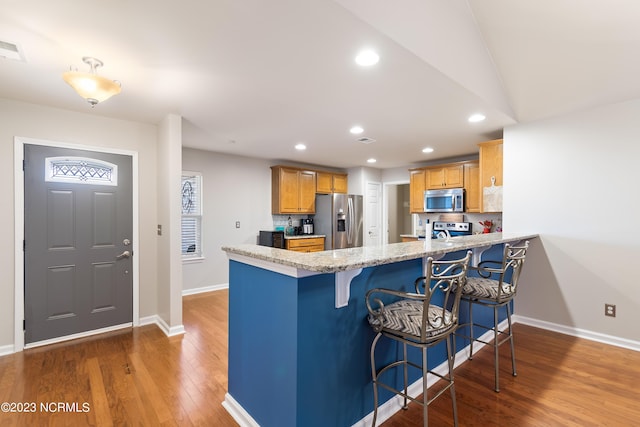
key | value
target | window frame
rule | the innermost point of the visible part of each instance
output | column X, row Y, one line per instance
column 198, row 254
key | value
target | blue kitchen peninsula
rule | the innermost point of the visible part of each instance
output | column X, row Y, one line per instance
column 298, row 336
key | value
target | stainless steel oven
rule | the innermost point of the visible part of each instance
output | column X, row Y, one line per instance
column 442, row 228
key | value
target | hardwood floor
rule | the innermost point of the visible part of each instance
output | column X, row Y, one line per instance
column 133, row 377
column 140, row 377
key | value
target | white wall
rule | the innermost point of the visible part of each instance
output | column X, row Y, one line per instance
column 574, row 180
column 234, row 189
column 359, row 177
column 169, row 217
column 27, row 120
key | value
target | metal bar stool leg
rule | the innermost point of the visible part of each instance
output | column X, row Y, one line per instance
column 425, row 400
column 406, row 378
column 471, row 339
column 374, row 375
column 451, row 360
column 495, row 346
column 513, row 352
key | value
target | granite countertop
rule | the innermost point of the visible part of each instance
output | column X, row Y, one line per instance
column 368, row 256
column 304, row 236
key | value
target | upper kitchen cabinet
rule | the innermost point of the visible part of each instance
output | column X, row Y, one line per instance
column 417, row 187
column 328, row 182
column 451, row 175
column 293, row 190
column 445, row 176
column 491, row 167
column 472, row 187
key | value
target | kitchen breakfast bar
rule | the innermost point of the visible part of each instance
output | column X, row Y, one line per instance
column 299, row 340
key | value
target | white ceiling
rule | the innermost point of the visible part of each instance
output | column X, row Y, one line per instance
column 255, row 77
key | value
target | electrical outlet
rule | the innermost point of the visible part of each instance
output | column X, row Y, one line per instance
column 610, row 310
column 237, row 224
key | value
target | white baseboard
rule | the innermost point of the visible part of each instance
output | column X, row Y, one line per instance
column 160, row 323
column 7, row 349
column 238, row 413
column 580, row 333
column 204, row 289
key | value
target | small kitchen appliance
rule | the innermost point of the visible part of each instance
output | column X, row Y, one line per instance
column 449, row 200
column 274, row 239
column 307, row 226
column 440, row 229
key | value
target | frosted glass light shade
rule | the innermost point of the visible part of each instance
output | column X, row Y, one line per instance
column 90, row 86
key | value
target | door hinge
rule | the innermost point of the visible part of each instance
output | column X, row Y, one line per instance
column 24, row 325
column 24, row 245
column 24, row 165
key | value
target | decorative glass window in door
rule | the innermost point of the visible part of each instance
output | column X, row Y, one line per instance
column 191, row 215
column 80, row 170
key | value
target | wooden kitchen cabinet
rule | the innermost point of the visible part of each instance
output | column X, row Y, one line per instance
column 327, row 182
column 490, row 165
column 472, row 187
column 307, row 244
column 445, row 176
column 293, row 190
column 416, row 189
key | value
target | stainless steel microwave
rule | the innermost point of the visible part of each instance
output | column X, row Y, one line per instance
column 448, row 200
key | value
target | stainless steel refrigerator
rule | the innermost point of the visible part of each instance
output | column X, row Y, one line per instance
column 339, row 218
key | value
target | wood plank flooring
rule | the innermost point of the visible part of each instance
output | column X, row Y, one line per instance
column 140, row 377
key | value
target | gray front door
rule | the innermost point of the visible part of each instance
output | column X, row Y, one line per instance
column 78, row 231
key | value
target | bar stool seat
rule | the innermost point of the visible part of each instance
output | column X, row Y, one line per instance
column 495, row 287
column 487, row 289
column 420, row 319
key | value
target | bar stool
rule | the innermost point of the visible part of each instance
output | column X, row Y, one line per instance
column 495, row 287
column 421, row 319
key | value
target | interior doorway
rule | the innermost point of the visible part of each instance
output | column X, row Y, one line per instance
column 397, row 213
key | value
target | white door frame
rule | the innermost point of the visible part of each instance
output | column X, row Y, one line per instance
column 385, row 208
column 19, row 143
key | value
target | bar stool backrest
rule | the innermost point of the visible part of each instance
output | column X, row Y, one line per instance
column 442, row 289
column 508, row 274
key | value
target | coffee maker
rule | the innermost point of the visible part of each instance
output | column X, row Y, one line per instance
column 307, row 226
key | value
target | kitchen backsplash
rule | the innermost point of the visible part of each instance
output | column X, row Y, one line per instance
column 283, row 220
column 422, row 227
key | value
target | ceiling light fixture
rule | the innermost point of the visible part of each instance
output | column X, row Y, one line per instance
column 427, row 150
column 90, row 86
column 475, row 118
column 356, row 130
column 300, row 147
column 367, row 58
column 371, row 160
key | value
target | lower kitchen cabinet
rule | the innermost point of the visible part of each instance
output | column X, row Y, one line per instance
column 306, row 244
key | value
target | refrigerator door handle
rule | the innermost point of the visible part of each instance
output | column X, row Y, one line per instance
column 350, row 220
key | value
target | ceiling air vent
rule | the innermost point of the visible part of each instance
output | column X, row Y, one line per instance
column 10, row 51
column 366, row 140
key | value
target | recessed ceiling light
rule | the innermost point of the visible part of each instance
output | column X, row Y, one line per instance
column 367, row 58
column 372, row 160
column 427, row 150
column 356, row 130
column 301, row 147
column 475, row 118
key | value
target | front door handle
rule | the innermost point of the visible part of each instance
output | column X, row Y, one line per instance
column 125, row 254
